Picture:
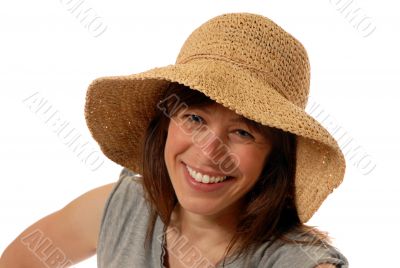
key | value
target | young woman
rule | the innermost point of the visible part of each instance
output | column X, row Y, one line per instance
column 222, row 165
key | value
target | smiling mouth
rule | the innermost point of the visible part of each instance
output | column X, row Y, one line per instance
column 204, row 178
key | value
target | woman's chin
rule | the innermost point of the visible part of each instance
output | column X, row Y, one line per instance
column 204, row 209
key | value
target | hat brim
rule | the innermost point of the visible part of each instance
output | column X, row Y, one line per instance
column 118, row 109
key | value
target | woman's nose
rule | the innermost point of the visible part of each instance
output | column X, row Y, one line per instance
column 221, row 155
column 214, row 147
column 212, row 143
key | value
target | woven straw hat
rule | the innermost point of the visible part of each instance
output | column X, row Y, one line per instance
column 248, row 64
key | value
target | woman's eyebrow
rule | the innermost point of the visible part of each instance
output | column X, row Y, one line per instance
column 253, row 126
column 238, row 118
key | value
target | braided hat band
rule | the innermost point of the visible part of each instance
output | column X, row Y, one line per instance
column 244, row 62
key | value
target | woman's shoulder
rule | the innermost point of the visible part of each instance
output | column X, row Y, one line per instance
column 284, row 254
column 127, row 190
column 128, row 181
column 129, row 175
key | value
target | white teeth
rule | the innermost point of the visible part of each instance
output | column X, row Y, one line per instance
column 204, row 178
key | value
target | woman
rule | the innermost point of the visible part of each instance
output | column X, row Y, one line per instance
column 222, row 166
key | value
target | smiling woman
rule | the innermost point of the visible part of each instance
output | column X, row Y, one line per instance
column 230, row 165
column 222, row 167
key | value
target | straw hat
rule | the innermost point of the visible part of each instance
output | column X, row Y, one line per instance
column 248, row 64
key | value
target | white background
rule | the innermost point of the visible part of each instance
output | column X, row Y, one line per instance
column 46, row 50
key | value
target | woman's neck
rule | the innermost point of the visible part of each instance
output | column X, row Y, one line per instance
column 205, row 229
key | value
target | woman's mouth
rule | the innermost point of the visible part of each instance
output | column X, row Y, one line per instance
column 205, row 178
column 196, row 183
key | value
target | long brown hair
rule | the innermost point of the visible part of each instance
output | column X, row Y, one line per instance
column 270, row 211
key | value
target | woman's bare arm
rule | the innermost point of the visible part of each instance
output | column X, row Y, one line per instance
column 67, row 235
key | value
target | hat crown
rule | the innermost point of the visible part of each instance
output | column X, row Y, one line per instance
column 258, row 44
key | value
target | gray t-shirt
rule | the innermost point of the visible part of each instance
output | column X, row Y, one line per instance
column 123, row 229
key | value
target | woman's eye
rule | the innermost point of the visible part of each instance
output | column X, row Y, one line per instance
column 195, row 118
column 244, row 134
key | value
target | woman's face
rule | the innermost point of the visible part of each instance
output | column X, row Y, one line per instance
column 214, row 141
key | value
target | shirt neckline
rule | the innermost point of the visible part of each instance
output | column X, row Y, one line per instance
column 163, row 248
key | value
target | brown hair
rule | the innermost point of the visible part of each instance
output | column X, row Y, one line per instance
column 270, row 211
